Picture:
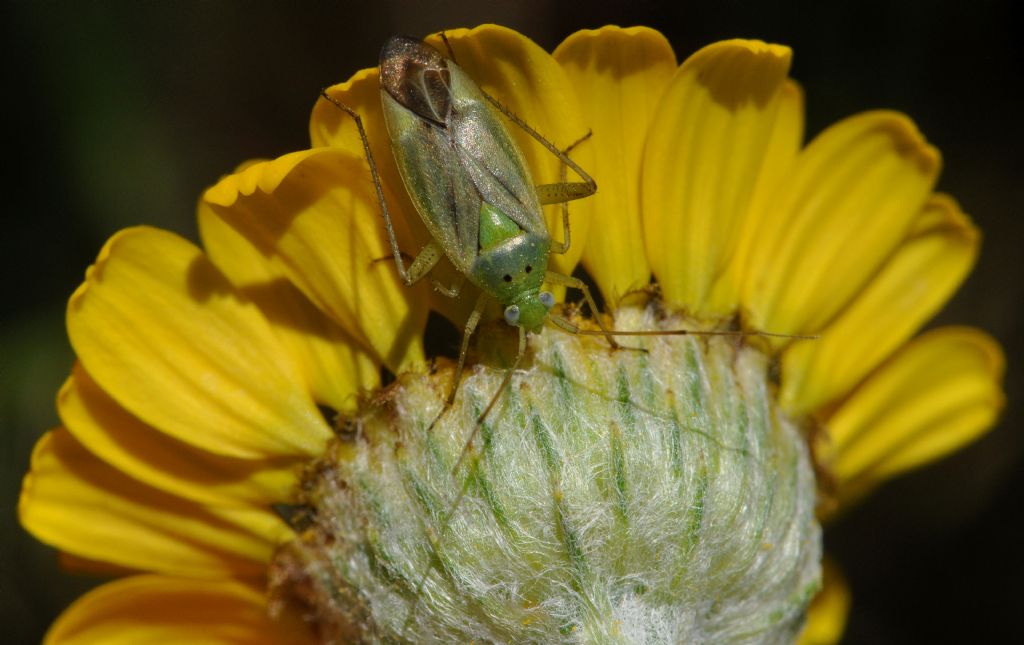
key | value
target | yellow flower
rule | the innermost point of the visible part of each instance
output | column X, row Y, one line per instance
column 207, row 379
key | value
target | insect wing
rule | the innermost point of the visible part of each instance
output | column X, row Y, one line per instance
column 452, row 150
column 436, row 182
column 490, row 157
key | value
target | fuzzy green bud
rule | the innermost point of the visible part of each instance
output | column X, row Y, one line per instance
column 611, row 496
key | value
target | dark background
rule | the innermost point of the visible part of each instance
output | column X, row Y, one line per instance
column 120, row 113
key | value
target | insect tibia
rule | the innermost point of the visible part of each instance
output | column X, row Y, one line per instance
column 375, row 175
column 448, row 46
column 563, row 192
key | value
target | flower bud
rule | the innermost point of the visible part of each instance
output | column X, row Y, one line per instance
column 653, row 495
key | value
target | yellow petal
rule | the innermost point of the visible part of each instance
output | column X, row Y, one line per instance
column 336, row 367
column 170, row 339
column 528, row 81
column 938, row 393
column 330, row 126
column 783, row 147
column 96, row 568
column 619, row 76
column 164, row 609
column 77, row 503
column 826, row 617
column 111, row 433
column 852, row 197
column 706, row 151
column 492, row 55
column 314, row 216
column 910, row 287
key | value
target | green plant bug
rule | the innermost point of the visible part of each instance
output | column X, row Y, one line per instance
column 472, row 188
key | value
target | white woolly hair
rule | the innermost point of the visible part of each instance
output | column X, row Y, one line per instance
column 612, row 496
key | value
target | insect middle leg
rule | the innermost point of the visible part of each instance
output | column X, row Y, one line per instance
column 467, row 333
column 575, row 283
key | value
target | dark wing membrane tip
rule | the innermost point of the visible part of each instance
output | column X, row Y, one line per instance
column 416, row 75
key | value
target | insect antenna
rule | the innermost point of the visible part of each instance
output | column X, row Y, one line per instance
column 448, row 46
column 568, row 327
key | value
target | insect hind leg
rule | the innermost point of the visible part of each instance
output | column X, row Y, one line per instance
column 542, row 140
column 562, row 193
column 388, row 225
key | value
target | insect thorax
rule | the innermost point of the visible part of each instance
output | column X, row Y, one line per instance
column 513, row 270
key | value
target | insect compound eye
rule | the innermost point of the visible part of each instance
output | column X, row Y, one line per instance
column 512, row 315
column 547, row 299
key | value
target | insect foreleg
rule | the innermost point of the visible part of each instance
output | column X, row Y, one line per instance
column 424, row 263
column 494, row 400
column 471, row 323
column 576, row 283
column 565, row 190
column 554, row 194
column 452, row 291
column 562, row 193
